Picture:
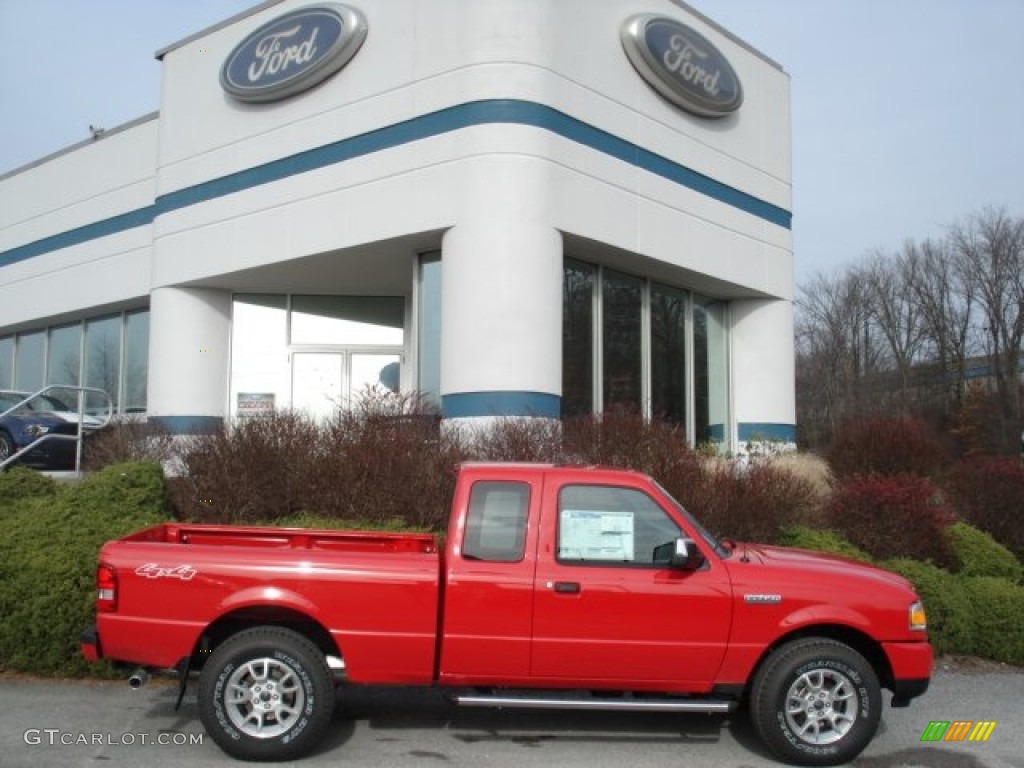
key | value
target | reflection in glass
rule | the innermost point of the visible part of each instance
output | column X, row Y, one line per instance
column 102, row 360
column 429, row 324
column 6, row 362
column 29, row 361
column 621, row 330
column 710, row 369
column 136, row 362
column 64, row 355
column 348, row 320
column 317, row 383
column 379, row 373
column 668, row 354
column 577, row 339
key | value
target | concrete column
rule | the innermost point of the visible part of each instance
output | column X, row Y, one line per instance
column 763, row 369
column 189, row 337
column 501, row 302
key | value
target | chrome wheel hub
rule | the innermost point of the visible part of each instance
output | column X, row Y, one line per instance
column 264, row 698
column 822, row 706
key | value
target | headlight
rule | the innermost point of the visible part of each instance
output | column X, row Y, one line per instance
column 36, row 429
column 918, row 622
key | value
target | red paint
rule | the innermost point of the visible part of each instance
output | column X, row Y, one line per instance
column 402, row 610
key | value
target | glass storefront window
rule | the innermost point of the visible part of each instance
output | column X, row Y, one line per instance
column 29, row 361
column 710, row 375
column 6, row 362
column 136, row 362
column 102, row 360
column 577, row 339
column 429, row 325
column 659, row 349
column 668, row 354
column 375, row 321
column 64, row 355
column 621, row 339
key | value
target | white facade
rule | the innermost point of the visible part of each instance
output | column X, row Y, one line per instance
column 501, row 141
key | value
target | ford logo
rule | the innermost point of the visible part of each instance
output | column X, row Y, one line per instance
column 293, row 52
column 681, row 65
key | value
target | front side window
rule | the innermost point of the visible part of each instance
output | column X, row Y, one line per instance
column 606, row 525
column 496, row 522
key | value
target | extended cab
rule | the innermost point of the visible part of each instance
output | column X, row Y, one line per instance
column 554, row 587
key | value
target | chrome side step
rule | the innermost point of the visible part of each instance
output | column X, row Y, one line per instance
column 626, row 704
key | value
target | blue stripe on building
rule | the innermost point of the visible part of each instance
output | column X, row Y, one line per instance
column 490, row 112
column 464, row 405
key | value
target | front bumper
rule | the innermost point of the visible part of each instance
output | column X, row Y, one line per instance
column 911, row 670
column 89, row 642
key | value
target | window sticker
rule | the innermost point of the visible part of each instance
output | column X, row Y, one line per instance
column 595, row 535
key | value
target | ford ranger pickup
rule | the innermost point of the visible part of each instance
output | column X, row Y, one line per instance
column 555, row 586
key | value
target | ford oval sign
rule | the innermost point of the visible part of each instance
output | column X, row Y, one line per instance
column 681, row 65
column 293, row 52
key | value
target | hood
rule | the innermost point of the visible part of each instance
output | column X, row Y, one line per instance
column 89, row 422
column 807, row 561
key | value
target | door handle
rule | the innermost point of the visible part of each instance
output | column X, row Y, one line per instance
column 565, row 587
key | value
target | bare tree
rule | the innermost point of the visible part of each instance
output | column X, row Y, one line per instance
column 837, row 349
column 988, row 254
column 894, row 312
column 945, row 304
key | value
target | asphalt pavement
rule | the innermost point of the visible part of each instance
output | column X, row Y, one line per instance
column 48, row 724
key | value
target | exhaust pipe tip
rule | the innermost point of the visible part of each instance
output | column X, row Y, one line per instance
column 138, row 679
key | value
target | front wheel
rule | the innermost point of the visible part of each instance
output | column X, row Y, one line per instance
column 266, row 694
column 816, row 702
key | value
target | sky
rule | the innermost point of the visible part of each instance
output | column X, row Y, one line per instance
column 908, row 115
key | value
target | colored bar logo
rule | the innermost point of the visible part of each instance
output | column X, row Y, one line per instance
column 958, row 730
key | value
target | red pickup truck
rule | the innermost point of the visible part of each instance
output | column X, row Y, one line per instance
column 555, row 587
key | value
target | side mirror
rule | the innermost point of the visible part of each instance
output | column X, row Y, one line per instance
column 683, row 553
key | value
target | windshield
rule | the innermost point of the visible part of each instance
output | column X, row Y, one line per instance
column 40, row 403
column 711, row 541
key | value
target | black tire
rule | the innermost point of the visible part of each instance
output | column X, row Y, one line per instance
column 815, row 702
column 284, row 695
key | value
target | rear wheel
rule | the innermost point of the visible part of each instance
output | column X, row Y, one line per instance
column 816, row 702
column 266, row 694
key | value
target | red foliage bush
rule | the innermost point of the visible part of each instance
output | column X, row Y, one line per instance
column 388, row 460
column 750, row 503
column 884, row 445
column 901, row 516
column 988, row 492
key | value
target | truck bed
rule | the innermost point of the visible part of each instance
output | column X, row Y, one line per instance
column 375, row 594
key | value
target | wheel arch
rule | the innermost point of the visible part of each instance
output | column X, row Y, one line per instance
column 859, row 641
column 239, row 619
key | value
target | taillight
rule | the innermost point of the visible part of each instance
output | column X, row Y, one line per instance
column 106, row 589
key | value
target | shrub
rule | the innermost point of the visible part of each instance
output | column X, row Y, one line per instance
column 129, row 440
column 22, row 483
column 818, row 540
column 48, row 563
column 750, row 502
column 254, row 470
column 997, row 610
column 880, row 445
column 989, row 494
column 904, row 516
column 978, row 554
column 946, row 603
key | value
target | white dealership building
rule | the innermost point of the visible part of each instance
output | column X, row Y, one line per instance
column 518, row 207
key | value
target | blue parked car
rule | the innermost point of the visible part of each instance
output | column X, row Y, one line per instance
column 44, row 415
